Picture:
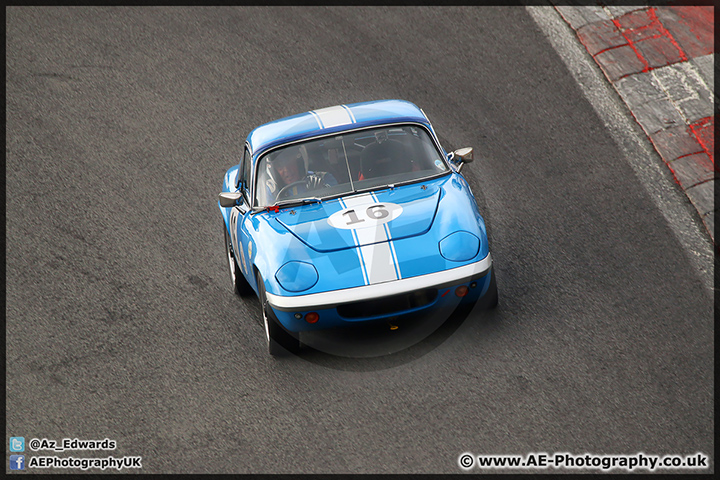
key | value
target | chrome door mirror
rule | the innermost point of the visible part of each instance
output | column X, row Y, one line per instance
column 465, row 154
column 229, row 199
column 462, row 156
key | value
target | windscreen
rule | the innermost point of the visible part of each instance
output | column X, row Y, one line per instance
column 355, row 161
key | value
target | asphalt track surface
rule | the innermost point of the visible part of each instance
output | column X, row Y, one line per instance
column 120, row 318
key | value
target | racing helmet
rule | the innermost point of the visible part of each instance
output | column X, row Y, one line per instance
column 283, row 157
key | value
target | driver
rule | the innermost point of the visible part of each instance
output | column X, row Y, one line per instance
column 288, row 177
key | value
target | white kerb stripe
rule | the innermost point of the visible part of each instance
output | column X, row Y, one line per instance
column 333, row 116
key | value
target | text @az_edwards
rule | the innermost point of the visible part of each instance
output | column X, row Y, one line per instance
column 70, row 444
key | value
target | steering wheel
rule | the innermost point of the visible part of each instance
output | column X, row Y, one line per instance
column 285, row 191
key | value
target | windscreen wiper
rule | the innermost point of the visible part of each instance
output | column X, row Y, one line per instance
column 292, row 203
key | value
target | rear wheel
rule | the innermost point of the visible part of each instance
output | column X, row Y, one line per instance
column 279, row 341
column 239, row 285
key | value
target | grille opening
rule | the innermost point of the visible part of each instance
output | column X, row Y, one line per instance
column 388, row 305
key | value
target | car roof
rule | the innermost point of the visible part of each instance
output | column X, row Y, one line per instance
column 338, row 118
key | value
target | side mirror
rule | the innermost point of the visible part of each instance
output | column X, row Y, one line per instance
column 229, row 199
column 465, row 155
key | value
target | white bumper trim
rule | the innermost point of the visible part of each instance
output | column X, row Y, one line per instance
column 378, row 290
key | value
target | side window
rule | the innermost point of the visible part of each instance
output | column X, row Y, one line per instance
column 245, row 173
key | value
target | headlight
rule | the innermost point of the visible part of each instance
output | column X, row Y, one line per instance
column 297, row 276
column 459, row 246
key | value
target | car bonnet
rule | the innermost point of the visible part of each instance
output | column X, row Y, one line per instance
column 364, row 219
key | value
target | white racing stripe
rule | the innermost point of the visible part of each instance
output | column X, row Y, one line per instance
column 350, row 113
column 376, row 251
column 390, row 243
column 334, row 116
column 392, row 251
column 377, row 255
column 317, row 119
column 359, row 252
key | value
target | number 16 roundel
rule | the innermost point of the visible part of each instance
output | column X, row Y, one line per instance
column 364, row 216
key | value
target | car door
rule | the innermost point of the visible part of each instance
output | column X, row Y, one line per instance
column 240, row 237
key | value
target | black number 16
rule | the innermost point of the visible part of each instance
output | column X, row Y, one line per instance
column 376, row 212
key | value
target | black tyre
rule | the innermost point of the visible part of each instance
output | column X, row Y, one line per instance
column 239, row 285
column 280, row 342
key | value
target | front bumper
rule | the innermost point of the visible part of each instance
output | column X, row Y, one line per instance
column 331, row 306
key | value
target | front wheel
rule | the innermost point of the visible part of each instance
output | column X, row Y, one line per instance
column 279, row 341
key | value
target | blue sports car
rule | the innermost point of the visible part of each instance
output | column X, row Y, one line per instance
column 352, row 213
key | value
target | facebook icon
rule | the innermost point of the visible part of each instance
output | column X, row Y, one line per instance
column 17, row 462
